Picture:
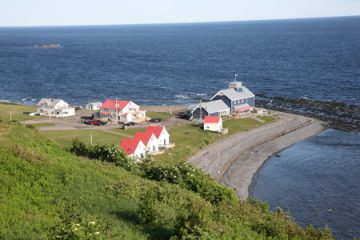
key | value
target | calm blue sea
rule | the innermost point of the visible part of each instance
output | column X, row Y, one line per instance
column 162, row 64
column 317, row 181
column 174, row 63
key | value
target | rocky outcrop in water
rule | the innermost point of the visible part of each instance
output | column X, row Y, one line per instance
column 336, row 114
column 48, row 46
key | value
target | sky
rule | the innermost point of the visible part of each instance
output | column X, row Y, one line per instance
column 104, row 12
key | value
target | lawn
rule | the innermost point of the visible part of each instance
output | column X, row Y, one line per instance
column 18, row 112
column 113, row 136
column 162, row 115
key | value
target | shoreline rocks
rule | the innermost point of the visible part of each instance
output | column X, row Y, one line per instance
column 336, row 115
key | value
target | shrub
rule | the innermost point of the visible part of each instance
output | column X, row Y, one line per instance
column 74, row 225
column 194, row 221
column 191, row 179
column 107, row 153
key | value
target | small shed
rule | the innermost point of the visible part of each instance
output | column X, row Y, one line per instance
column 213, row 124
column 94, row 106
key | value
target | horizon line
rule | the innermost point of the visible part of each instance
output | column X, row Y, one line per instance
column 173, row 23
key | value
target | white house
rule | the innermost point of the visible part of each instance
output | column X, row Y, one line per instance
column 213, row 124
column 161, row 134
column 122, row 111
column 94, row 106
column 54, row 108
column 132, row 148
column 150, row 141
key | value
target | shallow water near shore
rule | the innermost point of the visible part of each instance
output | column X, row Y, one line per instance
column 317, row 181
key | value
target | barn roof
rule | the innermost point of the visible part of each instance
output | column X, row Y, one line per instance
column 212, row 106
column 233, row 95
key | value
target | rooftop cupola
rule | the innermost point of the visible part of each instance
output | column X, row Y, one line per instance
column 236, row 84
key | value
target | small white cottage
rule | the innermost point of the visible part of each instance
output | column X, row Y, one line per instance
column 213, row 124
column 50, row 107
column 161, row 134
column 94, row 106
column 150, row 141
column 132, row 148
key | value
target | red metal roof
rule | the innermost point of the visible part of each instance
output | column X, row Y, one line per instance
column 128, row 146
column 156, row 130
column 211, row 119
column 143, row 136
column 111, row 104
column 243, row 108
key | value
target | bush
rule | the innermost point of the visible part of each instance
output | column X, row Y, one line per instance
column 191, row 179
column 107, row 153
column 74, row 225
column 194, row 222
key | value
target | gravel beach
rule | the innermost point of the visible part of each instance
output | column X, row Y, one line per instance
column 235, row 160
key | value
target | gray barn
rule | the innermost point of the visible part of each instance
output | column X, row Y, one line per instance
column 212, row 108
column 237, row 97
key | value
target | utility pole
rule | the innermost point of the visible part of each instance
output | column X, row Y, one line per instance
column 116, row 112
column 10, row 116
column 200, row 109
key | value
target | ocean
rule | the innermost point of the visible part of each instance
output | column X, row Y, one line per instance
column 177, row 63
column 317, row 181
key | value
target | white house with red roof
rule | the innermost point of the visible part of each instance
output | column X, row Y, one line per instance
column 132, row 148
column 161, row 134
column 122, row 111
column 150, row 141
column 213, row 123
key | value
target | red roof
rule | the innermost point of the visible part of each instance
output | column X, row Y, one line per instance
column 111, row 104
column 243, row 108
column 211, row 119
column 156, row 130
column 128, row 146
column 143, row 136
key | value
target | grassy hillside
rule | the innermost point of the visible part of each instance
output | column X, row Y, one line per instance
column 49, row 193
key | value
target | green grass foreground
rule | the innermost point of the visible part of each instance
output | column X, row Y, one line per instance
column 47, row 192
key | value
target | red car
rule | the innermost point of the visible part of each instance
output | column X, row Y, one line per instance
column 93, row 122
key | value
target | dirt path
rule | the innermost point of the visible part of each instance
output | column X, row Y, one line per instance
column 235, row 160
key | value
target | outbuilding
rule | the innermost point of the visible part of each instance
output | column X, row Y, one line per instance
column 94, row 106
column 212, row 108
column 213, row 124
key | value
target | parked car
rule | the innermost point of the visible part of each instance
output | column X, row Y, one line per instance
column 94, row 122
column 154, row 120
column 130, row 124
